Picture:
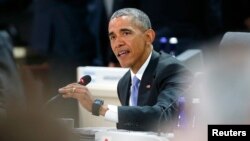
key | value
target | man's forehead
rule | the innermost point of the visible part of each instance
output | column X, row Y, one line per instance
column 121, row 20
column 122, row 23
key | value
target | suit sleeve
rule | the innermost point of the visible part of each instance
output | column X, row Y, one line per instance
column 170, row 84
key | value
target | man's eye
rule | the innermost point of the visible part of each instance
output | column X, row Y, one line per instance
column 126, row 33
column 111, row 37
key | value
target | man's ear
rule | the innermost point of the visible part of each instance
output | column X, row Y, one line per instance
column 149, row 36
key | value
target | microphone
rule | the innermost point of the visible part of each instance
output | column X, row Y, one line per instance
column 83, row 81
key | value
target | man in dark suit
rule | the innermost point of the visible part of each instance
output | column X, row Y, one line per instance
column 150, row 89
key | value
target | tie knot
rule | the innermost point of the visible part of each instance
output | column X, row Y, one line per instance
column 135, row 81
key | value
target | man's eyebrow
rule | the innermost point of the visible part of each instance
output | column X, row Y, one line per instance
column 125, row 29
column 111, row 33
column 121, row 30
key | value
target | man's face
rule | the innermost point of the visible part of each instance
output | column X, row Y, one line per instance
column 129, row 42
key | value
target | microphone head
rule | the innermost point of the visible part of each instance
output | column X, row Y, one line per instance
column 85, row 80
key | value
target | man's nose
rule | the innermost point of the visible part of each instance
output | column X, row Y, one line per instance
column 119, row 42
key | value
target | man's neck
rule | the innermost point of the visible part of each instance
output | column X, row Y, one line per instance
column 137, row 67
column 142, row 69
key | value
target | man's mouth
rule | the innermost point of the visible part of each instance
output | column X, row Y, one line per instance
column 123, row 53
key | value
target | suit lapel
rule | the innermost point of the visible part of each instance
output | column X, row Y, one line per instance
column 148, row 78
column 125, row 90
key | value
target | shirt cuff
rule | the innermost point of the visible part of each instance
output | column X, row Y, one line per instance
column 112, row 113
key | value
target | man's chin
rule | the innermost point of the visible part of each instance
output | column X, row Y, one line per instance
column 124, row 65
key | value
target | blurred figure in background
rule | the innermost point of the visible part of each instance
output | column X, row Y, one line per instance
column 229, row 83
column 223, row 90
column 62, row 34
column 22, row 125
column 11, row 88
column 104, row 9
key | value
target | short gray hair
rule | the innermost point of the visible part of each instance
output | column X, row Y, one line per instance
column 140, row 17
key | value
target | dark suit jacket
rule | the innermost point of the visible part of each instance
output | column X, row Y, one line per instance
column 167, row 79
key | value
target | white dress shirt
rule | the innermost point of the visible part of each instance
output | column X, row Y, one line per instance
column 112, row 112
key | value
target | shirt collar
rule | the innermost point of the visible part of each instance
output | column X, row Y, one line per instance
column 142, row 69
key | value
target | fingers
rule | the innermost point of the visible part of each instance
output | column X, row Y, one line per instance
column 67, row 95
column 79, row 92
column 73, row 90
